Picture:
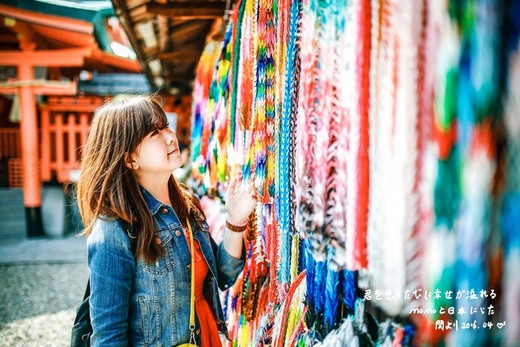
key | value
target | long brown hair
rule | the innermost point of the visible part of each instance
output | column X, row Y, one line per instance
column 107, row 188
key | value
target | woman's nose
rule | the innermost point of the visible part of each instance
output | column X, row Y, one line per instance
column 169, row 136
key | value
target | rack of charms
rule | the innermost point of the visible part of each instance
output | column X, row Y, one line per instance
column 383, row 138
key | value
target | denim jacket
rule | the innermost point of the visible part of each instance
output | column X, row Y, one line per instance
column 140, row 304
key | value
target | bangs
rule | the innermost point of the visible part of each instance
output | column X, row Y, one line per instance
column 150, row 116
column 157, row 119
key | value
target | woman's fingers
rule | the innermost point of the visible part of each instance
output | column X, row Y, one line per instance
column 241, row 199
column 240, row 190
column 232, row 185
column 251, row 188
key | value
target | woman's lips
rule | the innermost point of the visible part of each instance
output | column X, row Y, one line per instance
column 175, row 150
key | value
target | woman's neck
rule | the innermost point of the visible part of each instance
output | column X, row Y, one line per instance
column 158, row 188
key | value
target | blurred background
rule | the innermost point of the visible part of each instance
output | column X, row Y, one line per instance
column 383, row 137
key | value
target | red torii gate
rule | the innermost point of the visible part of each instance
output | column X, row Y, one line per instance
column 69, row 32
column 27, row 89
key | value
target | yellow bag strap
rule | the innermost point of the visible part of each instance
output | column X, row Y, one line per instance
column 192, row 295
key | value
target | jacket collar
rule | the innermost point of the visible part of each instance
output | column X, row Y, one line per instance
column 153, row 204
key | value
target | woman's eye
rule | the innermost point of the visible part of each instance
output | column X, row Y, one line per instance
column 155, row 132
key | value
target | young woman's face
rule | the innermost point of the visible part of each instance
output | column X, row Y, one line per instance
column 158, row 153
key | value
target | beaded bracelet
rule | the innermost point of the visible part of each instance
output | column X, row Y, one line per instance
column 236, row 228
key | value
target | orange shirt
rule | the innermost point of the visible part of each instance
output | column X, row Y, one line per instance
column 208, row 327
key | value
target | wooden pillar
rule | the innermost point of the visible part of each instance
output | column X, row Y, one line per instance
column 29, row 141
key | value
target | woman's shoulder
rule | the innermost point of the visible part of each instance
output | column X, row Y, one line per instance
column 110, row 231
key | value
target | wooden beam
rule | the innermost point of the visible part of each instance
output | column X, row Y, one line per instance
column 129, row 27
column 44, row 91
column 84, row 104
column 180, row 55
column 180, row 79
column 23, row 32
column 40, row 87
column 58, row 57
column 188, row 9
column 63, row 23
column 184, row 60
column 65, row 38
column 119, row 62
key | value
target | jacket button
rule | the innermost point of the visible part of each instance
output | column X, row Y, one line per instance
column 197, row 331
column 177, row 233
column 188, row 266
column 164, row 210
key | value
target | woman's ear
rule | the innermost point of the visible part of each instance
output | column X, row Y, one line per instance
column 131, row 162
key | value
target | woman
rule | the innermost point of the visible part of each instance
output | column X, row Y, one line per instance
column 142, row 298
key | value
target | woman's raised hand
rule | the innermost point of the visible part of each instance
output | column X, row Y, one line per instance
column 241, row 200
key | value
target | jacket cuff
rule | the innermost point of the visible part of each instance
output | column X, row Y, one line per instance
column 229, row 266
